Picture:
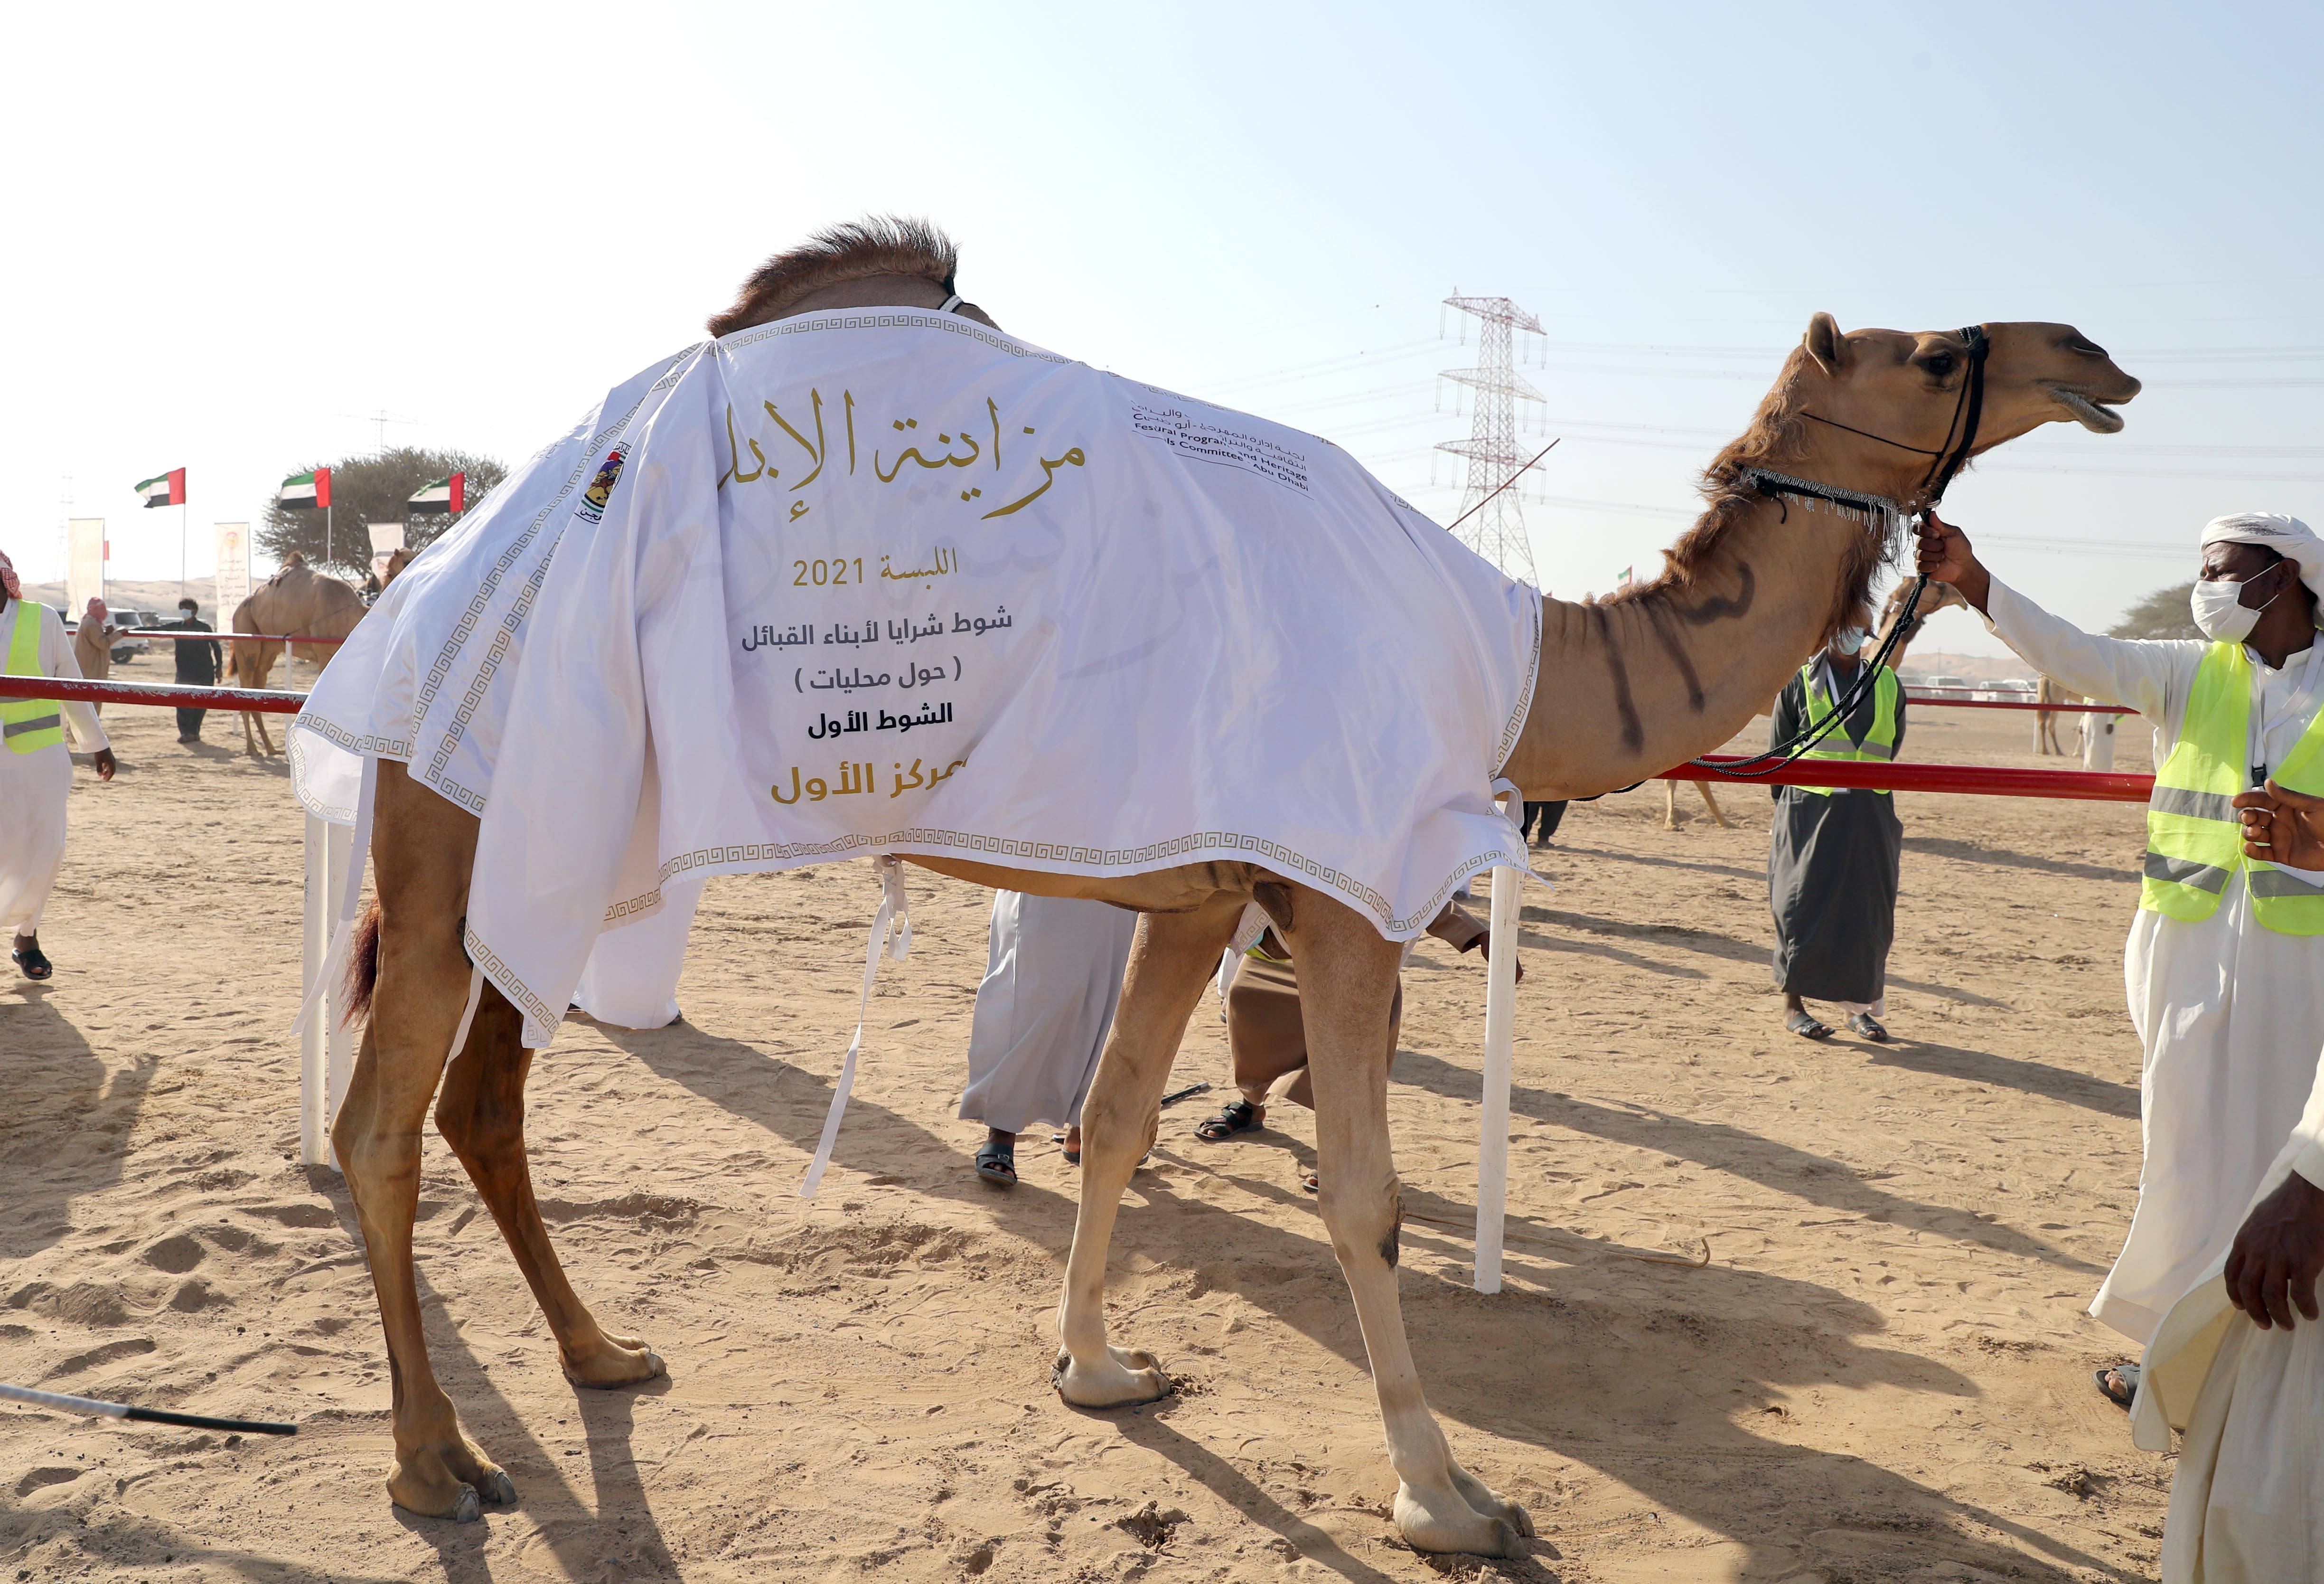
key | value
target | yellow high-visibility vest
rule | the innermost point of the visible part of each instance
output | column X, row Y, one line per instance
column 2194, row 842
column 1879, row 744
column 27, row 725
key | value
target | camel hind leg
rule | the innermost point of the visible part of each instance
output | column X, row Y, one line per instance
column 481, row 1113
column 423, row 848
column 1175, row 956
column 1347, row 986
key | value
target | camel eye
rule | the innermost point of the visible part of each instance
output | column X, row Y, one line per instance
column 1938, row 364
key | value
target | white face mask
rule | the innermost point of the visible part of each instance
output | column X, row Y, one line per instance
column 1849, row 640
column 2220, row 613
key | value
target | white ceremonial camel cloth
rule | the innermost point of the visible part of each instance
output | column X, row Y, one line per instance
column 889, row 581
column 1052, row 980
column 2230, row 1012
column 2248, row 1496
column 35, row 787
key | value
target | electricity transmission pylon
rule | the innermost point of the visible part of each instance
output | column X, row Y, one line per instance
column 1497, row 529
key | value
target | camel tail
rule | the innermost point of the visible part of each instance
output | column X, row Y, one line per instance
column 363, row 964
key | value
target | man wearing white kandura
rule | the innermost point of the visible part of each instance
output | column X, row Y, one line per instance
column 2225, row 967
column 2234, row 1368
column 35, row 770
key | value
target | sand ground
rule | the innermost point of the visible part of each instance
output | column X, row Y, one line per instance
column 1881, row 1373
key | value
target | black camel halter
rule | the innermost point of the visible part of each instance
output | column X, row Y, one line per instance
column 1880, row 516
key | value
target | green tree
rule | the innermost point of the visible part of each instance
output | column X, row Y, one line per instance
column 372, row 489
column 2163, row 614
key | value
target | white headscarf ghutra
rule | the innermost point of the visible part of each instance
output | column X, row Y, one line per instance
column 2289, row 537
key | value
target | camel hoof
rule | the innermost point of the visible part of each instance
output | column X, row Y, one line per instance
column 498, row 1488
column 1124, row 1379
column 624, row 1362
column 1491, row 1502
column 457, row 1501
column 1449, row 1523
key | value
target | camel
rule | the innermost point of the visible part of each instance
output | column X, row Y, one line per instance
column 397, row 560
column 297, row 602
column 1937, row 597
column 1670, row 805
column 1628, row 687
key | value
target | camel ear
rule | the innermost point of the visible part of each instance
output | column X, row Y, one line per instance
column 1824, row 344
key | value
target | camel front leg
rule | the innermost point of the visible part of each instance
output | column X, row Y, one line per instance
column 481, row 1113
column 422, row 849
column 1175, row 956
column 1347, row 986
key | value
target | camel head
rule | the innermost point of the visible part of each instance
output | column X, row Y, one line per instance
column 397, row 560
column 1890, row 403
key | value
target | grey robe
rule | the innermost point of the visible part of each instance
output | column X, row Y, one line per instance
column 1052, row 980
column 1832, row 865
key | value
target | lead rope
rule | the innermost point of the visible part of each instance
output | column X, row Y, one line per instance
column 891, row 936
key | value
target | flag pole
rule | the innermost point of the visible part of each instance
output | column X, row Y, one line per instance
column 181, row 550
column 326, row 537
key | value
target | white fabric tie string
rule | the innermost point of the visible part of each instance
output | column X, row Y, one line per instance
column 350, row 892
column 468, row 1012
column 891, row 936
column 1505, row 793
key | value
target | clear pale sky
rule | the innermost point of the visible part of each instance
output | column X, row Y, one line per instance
column 234, row 229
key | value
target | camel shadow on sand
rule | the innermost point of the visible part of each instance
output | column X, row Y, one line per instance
column 1969, row 852
column 66, row 1110
column 1683, row 1361
column 1686, row 937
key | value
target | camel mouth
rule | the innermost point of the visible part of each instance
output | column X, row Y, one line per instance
column 2093, row 415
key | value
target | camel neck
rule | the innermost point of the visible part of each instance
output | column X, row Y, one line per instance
column 1630, row 687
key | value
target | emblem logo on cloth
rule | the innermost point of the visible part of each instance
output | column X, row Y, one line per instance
column 601, row 488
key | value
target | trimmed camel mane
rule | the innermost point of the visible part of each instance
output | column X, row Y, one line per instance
column 877, row 245
column 1775, row 441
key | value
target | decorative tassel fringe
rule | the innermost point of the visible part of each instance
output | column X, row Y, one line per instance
column 1874, row 513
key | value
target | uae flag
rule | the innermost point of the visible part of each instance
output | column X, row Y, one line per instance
column 165, row 489
column 446, row 494
column 306, row 492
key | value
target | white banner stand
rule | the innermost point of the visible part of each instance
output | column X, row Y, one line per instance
column 314, row 1122
column 339, row 1039
column 1500, row 1033
column 326, row 1046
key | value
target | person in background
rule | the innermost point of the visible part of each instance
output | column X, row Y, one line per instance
column 92, row 642
column 1833, row 853
column 198, row 663
column 1541, row 822
column 36, row 771
column 2225, row 966
column 1267, row 1038
column 1052, row 980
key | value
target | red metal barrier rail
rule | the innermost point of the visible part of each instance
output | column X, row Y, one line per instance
column 218, row 637
column 1992, row 781
column 260, row 701
column 2008, row 704
column 1979, row 780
